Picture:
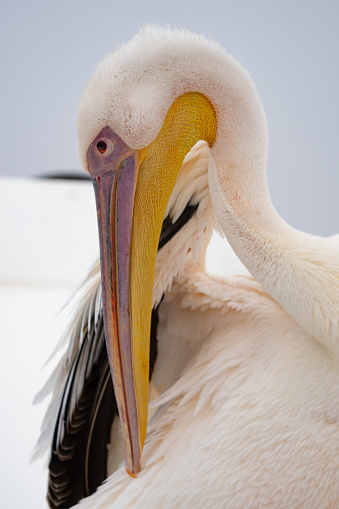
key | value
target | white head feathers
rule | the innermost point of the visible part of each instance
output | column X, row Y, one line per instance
column 132, row 90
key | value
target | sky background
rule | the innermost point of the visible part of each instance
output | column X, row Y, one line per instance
column 48, row 231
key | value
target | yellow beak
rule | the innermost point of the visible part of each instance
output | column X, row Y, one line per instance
column 132, row 190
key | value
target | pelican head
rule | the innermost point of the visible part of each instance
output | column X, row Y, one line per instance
column 143, row 110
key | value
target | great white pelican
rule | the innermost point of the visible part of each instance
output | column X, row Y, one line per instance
column 245, row 369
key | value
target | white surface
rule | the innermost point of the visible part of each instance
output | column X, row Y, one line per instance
column 49, row 239
column 48, row 230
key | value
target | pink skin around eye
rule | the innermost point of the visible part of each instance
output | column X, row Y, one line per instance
column 117, row 150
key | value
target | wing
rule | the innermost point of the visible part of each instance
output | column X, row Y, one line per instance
column 76, row 432
column 88, row 406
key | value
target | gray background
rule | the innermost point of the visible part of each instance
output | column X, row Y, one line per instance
column 50, row 49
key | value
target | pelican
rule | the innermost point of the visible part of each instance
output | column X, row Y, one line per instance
column 244, row 370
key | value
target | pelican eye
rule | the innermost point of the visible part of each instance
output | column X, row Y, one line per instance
column 104, row 147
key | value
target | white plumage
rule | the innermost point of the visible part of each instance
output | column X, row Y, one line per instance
column 250, row 422
column 247, row 369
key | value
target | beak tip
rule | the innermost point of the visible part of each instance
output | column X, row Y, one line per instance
column 131, row 474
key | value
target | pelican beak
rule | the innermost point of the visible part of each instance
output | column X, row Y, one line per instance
column 114, row 169
column 132, row 189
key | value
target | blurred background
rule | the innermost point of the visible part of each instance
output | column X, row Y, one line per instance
column 48, row 228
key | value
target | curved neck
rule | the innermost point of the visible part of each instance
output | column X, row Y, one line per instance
column 300, row 271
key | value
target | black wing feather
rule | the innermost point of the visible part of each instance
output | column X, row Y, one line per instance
column 77, row 420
